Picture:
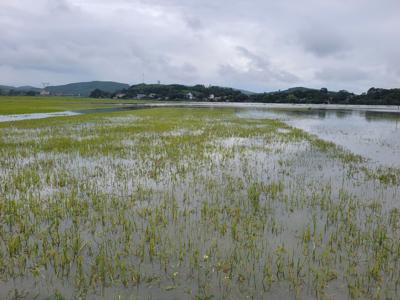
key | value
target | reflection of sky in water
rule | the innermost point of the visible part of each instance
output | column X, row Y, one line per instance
column 36, row 116
column 374, row 135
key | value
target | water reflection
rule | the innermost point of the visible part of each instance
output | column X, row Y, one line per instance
column 36, row 116
column 372, row 134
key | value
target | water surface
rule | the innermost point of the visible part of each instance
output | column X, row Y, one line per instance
column 374, row 134
column 370, row 131
column 35, row 116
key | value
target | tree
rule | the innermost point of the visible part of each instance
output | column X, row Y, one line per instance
column 291, row 98
column 97, row 93
column 31, row 93
column 324, row 90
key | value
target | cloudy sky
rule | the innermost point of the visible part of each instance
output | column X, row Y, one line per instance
column 259, row 45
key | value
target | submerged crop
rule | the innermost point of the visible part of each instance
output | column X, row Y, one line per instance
column 191, row 204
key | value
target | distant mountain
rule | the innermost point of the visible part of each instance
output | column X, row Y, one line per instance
column 248, row 93
column 6, row 87
column 73, row 89
column 298, row 89
column 26, row 88
column 110, row 89
column 85, row 88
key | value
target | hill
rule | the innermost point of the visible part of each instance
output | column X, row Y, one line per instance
column 295, row 95
column 246, row 92
column 301, row 95
column 85, row 88
column 6, row 87
column 182, row 92
column 26, row 88
column 73, row 89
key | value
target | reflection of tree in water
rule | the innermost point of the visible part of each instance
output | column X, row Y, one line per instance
column 322, row 114
column 310, row 112
column 371, row 116
column 341, row 114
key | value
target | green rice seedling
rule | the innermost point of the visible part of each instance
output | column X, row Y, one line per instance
column 190, row 201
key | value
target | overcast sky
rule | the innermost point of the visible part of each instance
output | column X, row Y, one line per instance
column 259, row 45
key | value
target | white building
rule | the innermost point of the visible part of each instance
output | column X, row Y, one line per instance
column 44, row 93
column 189, row 96
column 119, row 96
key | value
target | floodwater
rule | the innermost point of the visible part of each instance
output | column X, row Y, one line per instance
column 370, row 131
column 233, row 211
column 34, row 116
column 373, row 134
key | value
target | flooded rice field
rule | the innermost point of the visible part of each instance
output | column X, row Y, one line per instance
column 200, row 203
column 35, row 116
column 372, row 133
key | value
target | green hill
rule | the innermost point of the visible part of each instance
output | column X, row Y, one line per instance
column 6, row 87
column 183, row 92
column 85, row 88
column 20, row 88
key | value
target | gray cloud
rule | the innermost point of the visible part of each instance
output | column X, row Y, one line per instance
column 259, row 45
column 323, row 42
column 194, row 23
column 256, row 68
column 342, row 74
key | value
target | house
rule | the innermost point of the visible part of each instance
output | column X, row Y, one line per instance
column 119, row 96
column 189, row 96
column 211, row 97
column 44, row 93
column 140, row 96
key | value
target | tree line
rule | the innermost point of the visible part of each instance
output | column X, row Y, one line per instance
column 374, row 96
column 13, row 92
column 300, row 95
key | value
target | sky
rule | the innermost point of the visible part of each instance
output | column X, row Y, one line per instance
column 257, row 45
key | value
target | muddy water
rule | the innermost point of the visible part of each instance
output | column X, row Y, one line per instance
column 195, row 198
column 35, row 116
column 370, row 131
column 373, row 134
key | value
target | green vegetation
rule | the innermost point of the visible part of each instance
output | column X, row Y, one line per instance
column 97, row 93
column 313, row 96
column 173, row 92
column 183, row 92
column 298, row 95
column 180, row 203
column 5, row 89
column 82, row 89
column 22, row 105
